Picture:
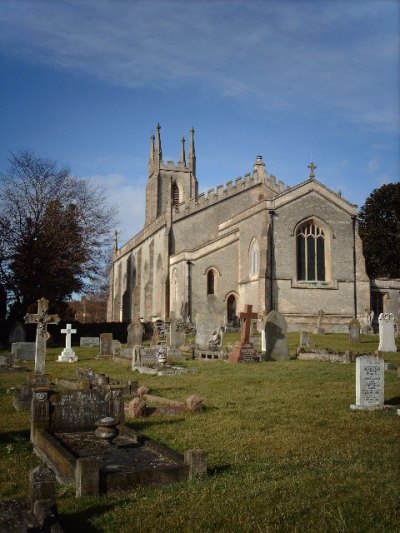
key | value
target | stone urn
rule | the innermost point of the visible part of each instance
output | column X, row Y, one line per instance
column 161, row 356
column 106, row 428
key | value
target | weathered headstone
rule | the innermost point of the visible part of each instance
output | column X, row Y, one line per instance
column 304, row 338
column 243, row 351
column 206, row 324
column 67, row 355
column 319, row 330
column 42, row 318
column 386, row 333
column 276, row 337
column 370, row 381
column 106, row 344
column 23, row 351
column 177, row 334
column 89, row 341
column 135, row 333
column 17, row 333
column 366, row 326
column 263, row 341
column 354, row 331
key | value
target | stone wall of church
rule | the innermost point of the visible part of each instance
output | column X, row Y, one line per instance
column 335, row 295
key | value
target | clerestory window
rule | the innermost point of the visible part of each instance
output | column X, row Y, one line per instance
column 310, row 240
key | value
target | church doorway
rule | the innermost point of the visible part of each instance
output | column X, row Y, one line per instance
column 232, row 319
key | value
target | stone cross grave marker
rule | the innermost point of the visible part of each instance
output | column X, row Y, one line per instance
column 41, row 318
column 370, row 381
column 386, row 333
column 67, row 355
column 247, row 317
column 244, row 351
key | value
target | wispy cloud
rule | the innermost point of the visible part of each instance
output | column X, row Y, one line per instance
column 299, row 55
column 127, row 197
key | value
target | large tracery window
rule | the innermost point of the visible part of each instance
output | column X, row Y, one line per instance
column 310, row 252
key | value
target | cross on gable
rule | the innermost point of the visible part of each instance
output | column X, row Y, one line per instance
column 247, row 316
column 312, row 166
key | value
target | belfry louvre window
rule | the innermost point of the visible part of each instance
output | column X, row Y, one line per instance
column 310, row 252
column 175, row 194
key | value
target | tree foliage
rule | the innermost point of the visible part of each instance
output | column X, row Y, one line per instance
column 55, row 231
column 380, row 231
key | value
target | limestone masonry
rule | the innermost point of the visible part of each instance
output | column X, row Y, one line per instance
column 250, row 241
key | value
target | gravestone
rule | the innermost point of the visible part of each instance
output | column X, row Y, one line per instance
column 263, row 341
column 386, row 333
column 23, row 351
column 106, row 345
column 366, row 326
column 206, row 324
column 370, row 381
column 17, row 333
column 243, row 351
column 89, row 341
column 41, row 318
column 177, row 334
column 135, row 333
column 319, row 330
column 354, row 331
column 276, row 337
column 67, row 355
column 304, row 338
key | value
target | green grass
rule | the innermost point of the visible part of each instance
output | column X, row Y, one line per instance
column 285, row 452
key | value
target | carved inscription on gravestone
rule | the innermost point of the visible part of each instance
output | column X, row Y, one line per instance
column 369, row 383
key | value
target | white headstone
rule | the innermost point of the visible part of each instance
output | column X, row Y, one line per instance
column 67, row 355
column 386, row 333
column 263, row 341
column 370, row 383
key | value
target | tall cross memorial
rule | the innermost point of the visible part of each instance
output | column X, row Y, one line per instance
column 41, row 318
column 243, row 351
column 67, row 355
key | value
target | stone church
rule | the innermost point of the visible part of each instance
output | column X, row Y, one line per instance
column 250, row 241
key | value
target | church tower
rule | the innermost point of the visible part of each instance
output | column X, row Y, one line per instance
column 169, row 183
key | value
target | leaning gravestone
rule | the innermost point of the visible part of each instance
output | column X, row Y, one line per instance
column 276, row 337
column 354, row 331
column 106, row 349
column 370, row 381
column 386, row 333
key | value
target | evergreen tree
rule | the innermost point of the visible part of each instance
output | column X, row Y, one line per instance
column 380, row 231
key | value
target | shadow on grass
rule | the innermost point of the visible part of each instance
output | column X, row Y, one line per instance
column 80, row 521
column 142, row 424
column 14, row 436
column 393, row 401
column 217, row 470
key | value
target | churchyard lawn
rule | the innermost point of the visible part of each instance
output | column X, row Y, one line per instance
column 285, row 452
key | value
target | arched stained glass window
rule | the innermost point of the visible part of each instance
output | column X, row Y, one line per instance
column 310, row 252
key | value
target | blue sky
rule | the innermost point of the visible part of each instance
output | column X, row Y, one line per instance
column 85, row 82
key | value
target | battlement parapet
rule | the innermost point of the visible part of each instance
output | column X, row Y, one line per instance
column 218, row 194
column 144, row 234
